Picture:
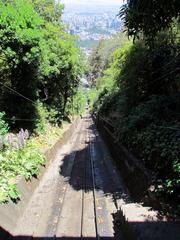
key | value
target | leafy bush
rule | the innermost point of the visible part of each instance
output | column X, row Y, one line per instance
column 79, row 101
column 15, row 162
column 154, row 138
column 77, row 104
column 139, row 93
column 92, row 97
column 101, row 55
column 41, row 122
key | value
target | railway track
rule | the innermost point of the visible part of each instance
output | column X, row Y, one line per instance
column 82, row 196
column 54, row 230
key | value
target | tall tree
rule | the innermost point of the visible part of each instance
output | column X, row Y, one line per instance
column 20, row 34
column 50, row 10
column 149, row 16
column 96, row 63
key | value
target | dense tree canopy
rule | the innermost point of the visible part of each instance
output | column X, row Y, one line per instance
column 50, row 10
column 138, row 93
column 38, row 60
column 101, row 55
column 149, row 16
column 20, row 35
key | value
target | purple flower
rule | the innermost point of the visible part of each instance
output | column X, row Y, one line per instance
column 21, row 139
column 20, row 143
column 26, row 134
column 22, row 132
column 10, row 139
column 1, row 142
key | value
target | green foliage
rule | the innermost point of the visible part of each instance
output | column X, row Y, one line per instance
column 62, row 62
column 8, row 189
column 110, row 45
column 96, row 63
column 139, row 94
column 18, row 162
column 101, row 55
column 92, row 96
column 79, row 101
column 107, row 85
column 87, row 43
column 38, row 60
column 3, row 125
column 140, row 72
column 76, row 105
column 40, row 70
column 149, row 16
column 45, row 117
column 50, row 10
column 151, row 132
column 19, row 43
column 42, row 120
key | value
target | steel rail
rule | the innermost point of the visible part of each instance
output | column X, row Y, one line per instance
column 94, row 187
column 84, row 186
column 64, row 194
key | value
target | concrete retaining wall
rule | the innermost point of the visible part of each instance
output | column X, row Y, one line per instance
column 136, row 221
column 135, row 175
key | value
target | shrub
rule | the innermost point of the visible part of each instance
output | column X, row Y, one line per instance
column 143, row 104
column 15, row 161
column 42, row 120
column 76, row 105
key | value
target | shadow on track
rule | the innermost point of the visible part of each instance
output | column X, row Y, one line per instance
column 82, row 170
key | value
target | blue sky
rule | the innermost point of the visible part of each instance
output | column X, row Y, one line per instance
column 94, row 2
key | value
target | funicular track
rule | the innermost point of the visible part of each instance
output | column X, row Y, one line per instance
column 86, row 144
column 85, row 140
column 79, row 195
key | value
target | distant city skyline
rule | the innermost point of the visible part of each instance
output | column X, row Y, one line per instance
column 92, row 20
column 94, row 2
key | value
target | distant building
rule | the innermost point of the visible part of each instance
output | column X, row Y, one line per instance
column 71, row 31
column 92, row 27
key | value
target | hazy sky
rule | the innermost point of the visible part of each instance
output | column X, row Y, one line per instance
column 94, row 2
